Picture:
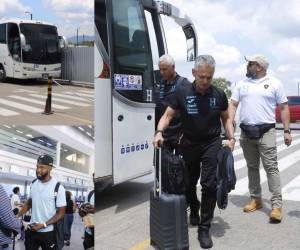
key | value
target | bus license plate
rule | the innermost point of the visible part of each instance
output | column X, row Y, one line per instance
column 45, row 76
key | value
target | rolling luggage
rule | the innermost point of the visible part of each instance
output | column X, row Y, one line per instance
column 168, row 216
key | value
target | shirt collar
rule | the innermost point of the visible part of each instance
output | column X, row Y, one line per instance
column 207, row 92
column 171, row 83
column 260, row 80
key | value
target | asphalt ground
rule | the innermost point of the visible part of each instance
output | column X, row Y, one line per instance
column 23, row 102
column 122, row 216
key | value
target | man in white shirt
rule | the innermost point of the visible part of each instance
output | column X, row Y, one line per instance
column 45, row 212
column 259, row 94
column 15, row 201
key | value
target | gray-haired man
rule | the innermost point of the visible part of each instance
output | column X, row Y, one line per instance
column 167, row 86
column 201, row 106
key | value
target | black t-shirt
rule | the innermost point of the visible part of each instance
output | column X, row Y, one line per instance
column 69, row 208
column 200, row 114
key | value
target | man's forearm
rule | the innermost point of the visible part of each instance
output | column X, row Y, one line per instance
column 163, row 122
column 229, row 128
column 58, row 216
column 285, row 117
column 232, row 110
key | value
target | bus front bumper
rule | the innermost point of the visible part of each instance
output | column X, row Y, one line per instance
column 41, row 75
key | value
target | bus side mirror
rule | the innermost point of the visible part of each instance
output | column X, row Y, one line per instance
column 191, row 42
column 23, row 41
column 63, row 43
column 190, row 50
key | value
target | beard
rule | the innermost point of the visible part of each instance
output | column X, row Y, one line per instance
column 41, row 176
column 252, row 75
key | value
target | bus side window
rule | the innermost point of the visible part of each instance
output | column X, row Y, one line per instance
column 3, row 33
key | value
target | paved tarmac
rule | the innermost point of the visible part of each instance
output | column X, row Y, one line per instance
column 122, row 216
column 23, row 102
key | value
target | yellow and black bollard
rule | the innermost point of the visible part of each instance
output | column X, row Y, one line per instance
column 49, row 96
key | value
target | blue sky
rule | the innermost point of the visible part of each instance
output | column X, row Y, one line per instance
column 231, row 29
column 67, row 15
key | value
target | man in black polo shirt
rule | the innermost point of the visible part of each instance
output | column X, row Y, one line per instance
column 170, row 81
column 201, row 106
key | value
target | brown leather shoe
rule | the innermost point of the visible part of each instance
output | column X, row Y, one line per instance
column 253, row 205
column 276, row 214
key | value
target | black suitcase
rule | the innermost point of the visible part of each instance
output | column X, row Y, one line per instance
column 168, row 217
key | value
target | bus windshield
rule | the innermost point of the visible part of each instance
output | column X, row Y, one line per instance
column 42, row 44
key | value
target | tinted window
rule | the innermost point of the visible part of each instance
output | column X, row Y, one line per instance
column 100, row 21
column 132, row 53
column 294, row 101
column 13, row 40
column 3, row 33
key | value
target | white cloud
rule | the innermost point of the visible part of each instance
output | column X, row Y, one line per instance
column 70, row 5
column 207, row 44
column 286, row 68
column 76, row 14
column 228, row 29
column 12, row 7
column 287, row 50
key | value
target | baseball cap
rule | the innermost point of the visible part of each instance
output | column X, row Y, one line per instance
column 45, row 160
column 260, row 59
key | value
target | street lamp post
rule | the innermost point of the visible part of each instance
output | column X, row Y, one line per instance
column 27, row 12
column 77, row 36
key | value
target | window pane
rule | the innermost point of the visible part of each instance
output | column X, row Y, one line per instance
column 132, row 50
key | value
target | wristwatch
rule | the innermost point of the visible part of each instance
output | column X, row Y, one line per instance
column 287, row 131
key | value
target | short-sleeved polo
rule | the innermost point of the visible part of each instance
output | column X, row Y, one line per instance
column 200, row 113
column 258, row 99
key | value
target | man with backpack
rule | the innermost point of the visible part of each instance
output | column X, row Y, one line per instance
column 47, row 201
column 170, row 81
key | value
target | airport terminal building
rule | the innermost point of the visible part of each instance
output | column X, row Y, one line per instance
column 72, row 148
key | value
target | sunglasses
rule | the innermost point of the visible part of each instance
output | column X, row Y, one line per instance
column 252, row 63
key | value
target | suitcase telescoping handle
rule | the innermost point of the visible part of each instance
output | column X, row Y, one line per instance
column 157, row 183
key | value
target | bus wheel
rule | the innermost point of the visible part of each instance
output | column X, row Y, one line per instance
column 2, row 73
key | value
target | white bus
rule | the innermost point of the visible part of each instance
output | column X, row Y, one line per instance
column 124, row 84
column 29, row 50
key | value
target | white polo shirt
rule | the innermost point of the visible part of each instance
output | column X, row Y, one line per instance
column 258, row 99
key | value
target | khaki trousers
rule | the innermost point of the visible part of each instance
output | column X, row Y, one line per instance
column 264, row 149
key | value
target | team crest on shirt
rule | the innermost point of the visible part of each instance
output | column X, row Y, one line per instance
column 191, row 105
column 266, row 86
column 212, row 102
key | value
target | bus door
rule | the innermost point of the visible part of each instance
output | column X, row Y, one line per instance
column 13, row 62
column 132, row 89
